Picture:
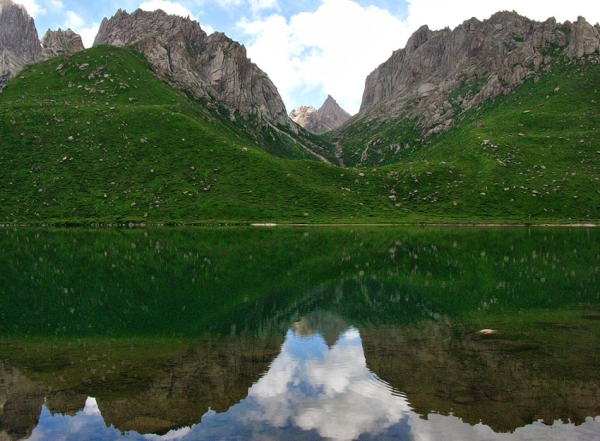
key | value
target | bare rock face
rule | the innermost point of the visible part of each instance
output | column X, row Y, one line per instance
column 55, row 43
column 307, row 117
column 330, row 116
column 19, row 44
column 439, row 74
column 206, row 66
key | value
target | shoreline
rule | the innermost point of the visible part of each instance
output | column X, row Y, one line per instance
column 299, row 225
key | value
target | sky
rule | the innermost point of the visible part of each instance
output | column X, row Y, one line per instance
column 310, row 48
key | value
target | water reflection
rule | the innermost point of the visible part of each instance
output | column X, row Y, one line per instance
column 256, row 334
column 313, row 390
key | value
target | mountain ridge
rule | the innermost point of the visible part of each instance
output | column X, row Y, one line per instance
column 82, row 135
column 187, row 58
column 506, row 47
column 427, row 85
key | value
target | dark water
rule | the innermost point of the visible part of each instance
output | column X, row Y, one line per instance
column 300, row 333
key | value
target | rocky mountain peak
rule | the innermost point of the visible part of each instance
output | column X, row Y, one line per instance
column 19, row 43
column 212, row 66
column 55, row 43
column 440, row 74
column 329, row 116
column 307, row 117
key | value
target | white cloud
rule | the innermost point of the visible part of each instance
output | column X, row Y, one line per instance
column 332, row 49
column 73, row 21
column 32, row 6
column 56, row 5
column 88, row 34
column 168, row 6
column 259, row 5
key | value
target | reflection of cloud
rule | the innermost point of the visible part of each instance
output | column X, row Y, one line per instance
column 311, row 389
column 442, row 428
column 91, row 406
column 335, row 395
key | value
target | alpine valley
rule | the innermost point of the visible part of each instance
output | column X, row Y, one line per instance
column 495, row 121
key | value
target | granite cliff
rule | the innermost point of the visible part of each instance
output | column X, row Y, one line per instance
column 440, row 74
column 210, row 67
column 329, row 116
column 20, row 45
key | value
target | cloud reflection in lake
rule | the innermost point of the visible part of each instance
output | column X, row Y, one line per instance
column 314, row 390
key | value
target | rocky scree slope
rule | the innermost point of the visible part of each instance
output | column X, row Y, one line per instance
column 211, row 66
column 441, row 74
column 19, row 43
column 330, row 116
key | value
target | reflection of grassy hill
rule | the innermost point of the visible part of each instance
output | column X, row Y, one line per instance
column 191, row 281
column 541, row 365
column 111, row 143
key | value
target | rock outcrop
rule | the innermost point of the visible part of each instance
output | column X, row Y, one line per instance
column 19, row 43
column 205, row 66
column 55, row 43
column 439, row 74
column 330, row 116
column 307, row 117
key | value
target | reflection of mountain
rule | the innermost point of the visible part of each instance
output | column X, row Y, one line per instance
column 328, row 326
column 313, row 389
column 505, row 380
column 143, row 397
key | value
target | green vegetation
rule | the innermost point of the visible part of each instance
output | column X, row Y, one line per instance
column 165, row 322
column 121, row 146
column 530, row 156
column 110, row 143
column 191, row 281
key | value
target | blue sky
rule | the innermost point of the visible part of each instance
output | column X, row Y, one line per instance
column 310, row 48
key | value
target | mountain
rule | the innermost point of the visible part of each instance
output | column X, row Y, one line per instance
column 55, row 43
column 330, row 116
column 216, row 72
column 211, row 66
column 106, row 140
column 19, row 43
column 439, row 75
column 101, row 136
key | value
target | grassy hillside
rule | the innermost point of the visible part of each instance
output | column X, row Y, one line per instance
column 110, row 142
column 533, row 154
column 97, row 138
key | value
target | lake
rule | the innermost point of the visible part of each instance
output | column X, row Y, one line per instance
column 300, row 333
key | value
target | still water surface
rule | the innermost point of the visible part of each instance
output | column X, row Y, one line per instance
column 382, row 333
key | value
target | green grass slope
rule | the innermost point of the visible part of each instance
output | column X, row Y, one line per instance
column 109, row 142
column 97, row 138
column 531, row 155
